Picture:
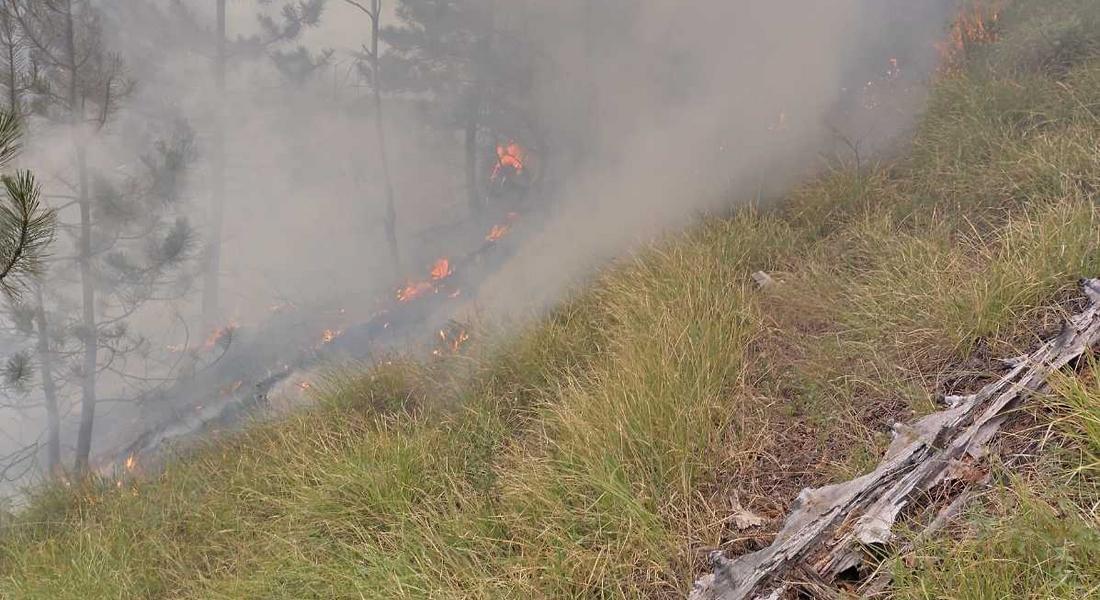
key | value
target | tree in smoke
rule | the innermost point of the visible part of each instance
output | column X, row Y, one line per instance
column 129, row 233
column 26, row 227
column 296, row 65
column 211, row 286
column 26, row 230
column 452, row 53
column 370, row 65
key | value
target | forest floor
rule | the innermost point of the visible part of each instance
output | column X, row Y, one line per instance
column 605, row 450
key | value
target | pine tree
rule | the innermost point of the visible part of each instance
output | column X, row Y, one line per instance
column 130, row 236
column 370, row 64
column 475, row 75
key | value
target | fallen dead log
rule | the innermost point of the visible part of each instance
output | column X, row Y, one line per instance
column 831, row 530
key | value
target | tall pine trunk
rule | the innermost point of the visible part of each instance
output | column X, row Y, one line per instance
column 49, row 386
column 482, row 51
column 88, row 321
column 383, row 149
column 211, row 309
column 90, row 334
column 473, row 193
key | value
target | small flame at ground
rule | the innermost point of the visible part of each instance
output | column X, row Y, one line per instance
column 975, row 26
column 462, row 338
column 218, row 335
column 441, row 269
column 414, row 290
column 131, row 463
column 454, row 344
column 510, row 157
column 497, row 233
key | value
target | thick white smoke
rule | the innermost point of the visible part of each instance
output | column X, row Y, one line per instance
column 647, row 113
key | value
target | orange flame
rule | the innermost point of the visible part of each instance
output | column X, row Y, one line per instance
column 500, row 230
column 973, row 27
column 413, row 291
column 217, row 335
column 497, row 233
column 131, row 463
column 441, row 269
column 462, row 338
column 454, row 344
column 329, row 335
column 509, row 156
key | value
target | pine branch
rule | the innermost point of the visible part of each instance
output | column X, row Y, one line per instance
column 26, row 229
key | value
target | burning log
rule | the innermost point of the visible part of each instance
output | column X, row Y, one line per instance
column 828, row 529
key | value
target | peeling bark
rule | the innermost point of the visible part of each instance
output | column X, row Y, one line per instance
column 829, row 529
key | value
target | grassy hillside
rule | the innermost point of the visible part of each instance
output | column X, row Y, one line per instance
column 601, row 453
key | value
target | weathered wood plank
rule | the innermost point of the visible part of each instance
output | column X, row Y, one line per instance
column 828, row 529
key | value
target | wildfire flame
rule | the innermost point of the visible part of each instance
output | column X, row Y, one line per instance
column 510, row 156
column 218, row 335
column 131, row 463
column 497, row 233
column 414, row 290
column 441, row 269
column 329, row 335
column 462, row 338
column 500, row 230
column 454, row 344
column 974, row 26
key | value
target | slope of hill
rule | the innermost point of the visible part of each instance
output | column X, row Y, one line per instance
column 671, row 408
